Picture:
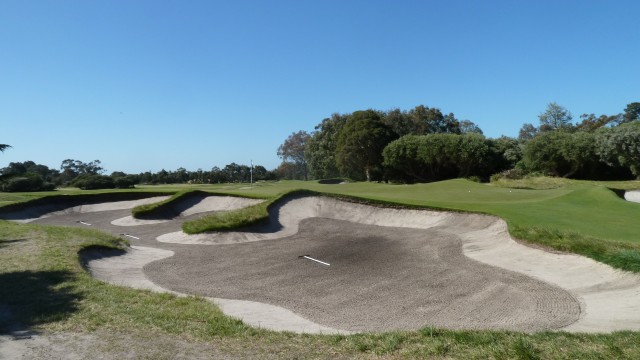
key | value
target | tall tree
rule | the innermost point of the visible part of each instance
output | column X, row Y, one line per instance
column 527, row 132
column 632, row 112
column 555, row 117
column 4, row 147
column 431, row 120
column 292, row 151
column 320, row 150
column 70, row 169
column 469, row 127
column 360, row 145
column 621, row 146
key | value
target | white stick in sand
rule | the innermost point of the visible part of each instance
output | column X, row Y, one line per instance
column 84, row 223
column 316, row 260
column 131, row 236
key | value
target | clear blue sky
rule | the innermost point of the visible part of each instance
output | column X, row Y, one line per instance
column 146, row 85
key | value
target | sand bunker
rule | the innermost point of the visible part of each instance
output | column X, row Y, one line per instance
column 200, row 205
column 610, row 298
column 390, row 269
column 44, row 211
column 633, row 195
column 126, row 269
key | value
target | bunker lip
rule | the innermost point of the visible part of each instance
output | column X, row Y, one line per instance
column 66, row 204
column 196, row 204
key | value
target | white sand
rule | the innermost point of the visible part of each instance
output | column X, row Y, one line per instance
column 633, row 195
column 25, row 216
column 127, row 270
column 610, row 298
column 207, row 204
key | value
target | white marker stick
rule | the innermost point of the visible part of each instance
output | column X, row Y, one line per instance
column 131, row 236
column 316, row 260
column 84, row 223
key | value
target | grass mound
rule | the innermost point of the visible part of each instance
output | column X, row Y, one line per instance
column 165, row 208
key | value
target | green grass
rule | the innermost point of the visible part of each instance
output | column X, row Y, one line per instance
column 148, row 210
column 228, row 220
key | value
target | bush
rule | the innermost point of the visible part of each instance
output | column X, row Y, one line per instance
column 511, row 174
column 93, row 182
column 124, row 182
column 28, row 182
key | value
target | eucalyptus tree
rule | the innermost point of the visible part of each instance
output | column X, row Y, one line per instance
column 555, row 117
column 360, row 145
column 293, row 151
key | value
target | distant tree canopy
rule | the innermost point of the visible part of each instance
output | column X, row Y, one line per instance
column 29, row 176
column 4, row 147
column 423, row 144
column 351, row 145
column 292, row 152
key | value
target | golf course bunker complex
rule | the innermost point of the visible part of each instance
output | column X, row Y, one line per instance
column 321, row 264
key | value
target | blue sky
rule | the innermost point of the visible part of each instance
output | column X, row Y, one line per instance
column 146, row 85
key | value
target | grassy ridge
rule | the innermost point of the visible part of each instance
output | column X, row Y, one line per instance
column 259, row 213
column 45, row 288
column 149, row 210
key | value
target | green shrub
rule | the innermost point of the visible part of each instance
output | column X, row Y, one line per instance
column 93, row 182
column 28, row 182
column 124, row 182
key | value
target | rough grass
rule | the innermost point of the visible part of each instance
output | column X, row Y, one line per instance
column 618, row 254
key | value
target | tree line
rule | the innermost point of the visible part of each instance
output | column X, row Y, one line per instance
column 423, row 144
column 29, row 176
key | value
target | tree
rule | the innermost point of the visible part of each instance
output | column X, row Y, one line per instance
column 435, row 157
column 555, row 117
column 632, row 112
column 591, row 123
column 321, row 147
column 565, row 154
column 70, row 169
column 4, row 147
column 360, row 145
column 292, row 151
column 431, row 120
column 621, row 146
column 543, row 153
column 527, row 132
column 469, row 127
